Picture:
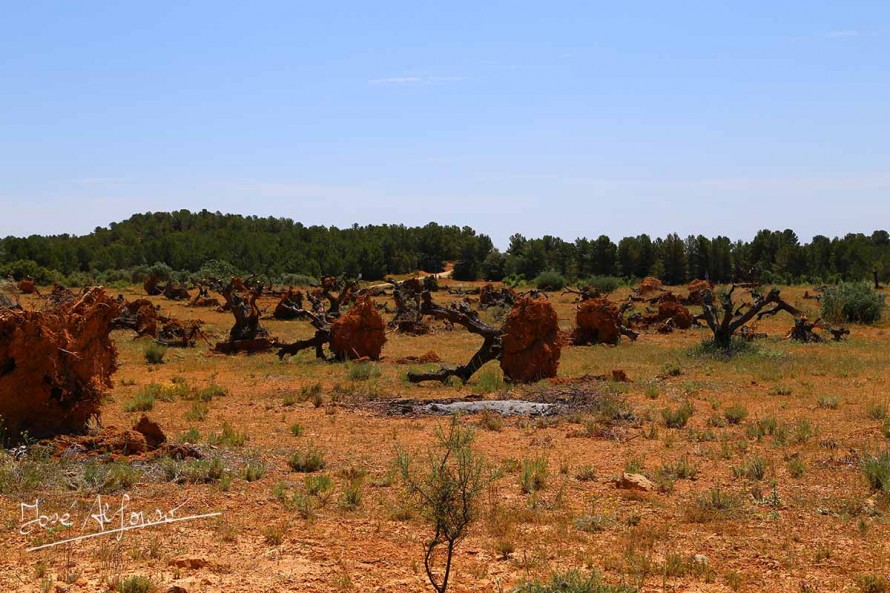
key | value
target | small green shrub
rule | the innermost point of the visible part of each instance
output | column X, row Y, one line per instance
column 586, row 473
column 254, row 470
column 135, row 584
column 573, row 581
column 228, row 436
column 872, row 583
column 307, row 461
column 677, row 418
column 796, row 467
column 828, row 402
column 296, row 429
column 106, row 478
column 752, row 469
column 143, row 401
column 351, row 498
column 197, row 412
column 877, row 471
column 491, row 421
column 154, row 353
column 489, row 380
column 208, row 393
column 735, row 413
column 682, row 469
column 193, row 471
column 192, row 435
column 318, row 485
column 362, row 371
column 533, row 476
column 712, row 505
column 550, row 280
column 877, row 411
column 852, row 302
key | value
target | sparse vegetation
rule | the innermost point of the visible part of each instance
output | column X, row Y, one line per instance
column 307, row 460
column 154, row 353
column 533, row 476
column 678, row 417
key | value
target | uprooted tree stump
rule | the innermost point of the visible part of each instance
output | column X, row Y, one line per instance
column 528, row 346
column 803, row 330
column 670, row 315
column 492, row 296
column 247, row 335
column 357, row 334
column 531, row 342
column 152, row 286
column 584, row 293
column 55, row 364
column 180, row 334
column 292, row 299
column 175, row 291
column 599, row 321
column 140, row 315
column 649, row 285
column 203, row 298
column 409, row 317
column 697, row 289
column 338, row 291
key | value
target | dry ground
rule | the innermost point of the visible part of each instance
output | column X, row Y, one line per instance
column 810, row 523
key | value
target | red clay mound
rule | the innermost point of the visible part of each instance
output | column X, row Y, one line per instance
column 55, row 364
column 648, row 285
column 140, row 316
column 670, row 309
column 360, row 333
column 531, row 341
column 696, row 289
column 27, row 286
column 597, row 322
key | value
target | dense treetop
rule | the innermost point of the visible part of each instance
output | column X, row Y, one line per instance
column 186, row 241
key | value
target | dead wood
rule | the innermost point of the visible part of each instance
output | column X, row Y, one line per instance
column 724, row 319
column 528, row 346
column 247, row 335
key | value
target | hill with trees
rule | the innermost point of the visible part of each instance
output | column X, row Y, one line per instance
column 281, row 249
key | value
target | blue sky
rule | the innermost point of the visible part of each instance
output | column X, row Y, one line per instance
column 563, row 118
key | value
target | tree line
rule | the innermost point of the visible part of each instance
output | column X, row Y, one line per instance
column 185, row 242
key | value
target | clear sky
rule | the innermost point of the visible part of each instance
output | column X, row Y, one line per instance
column 562, row 118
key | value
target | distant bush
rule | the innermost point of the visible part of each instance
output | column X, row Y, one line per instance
column 297, row 280
column 27, row 268
column 604, row 284
column 550, row 280
column 514, row 280
column 216, row 268
column 853, row 302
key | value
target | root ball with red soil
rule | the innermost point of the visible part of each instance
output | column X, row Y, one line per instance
column 531, row 342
